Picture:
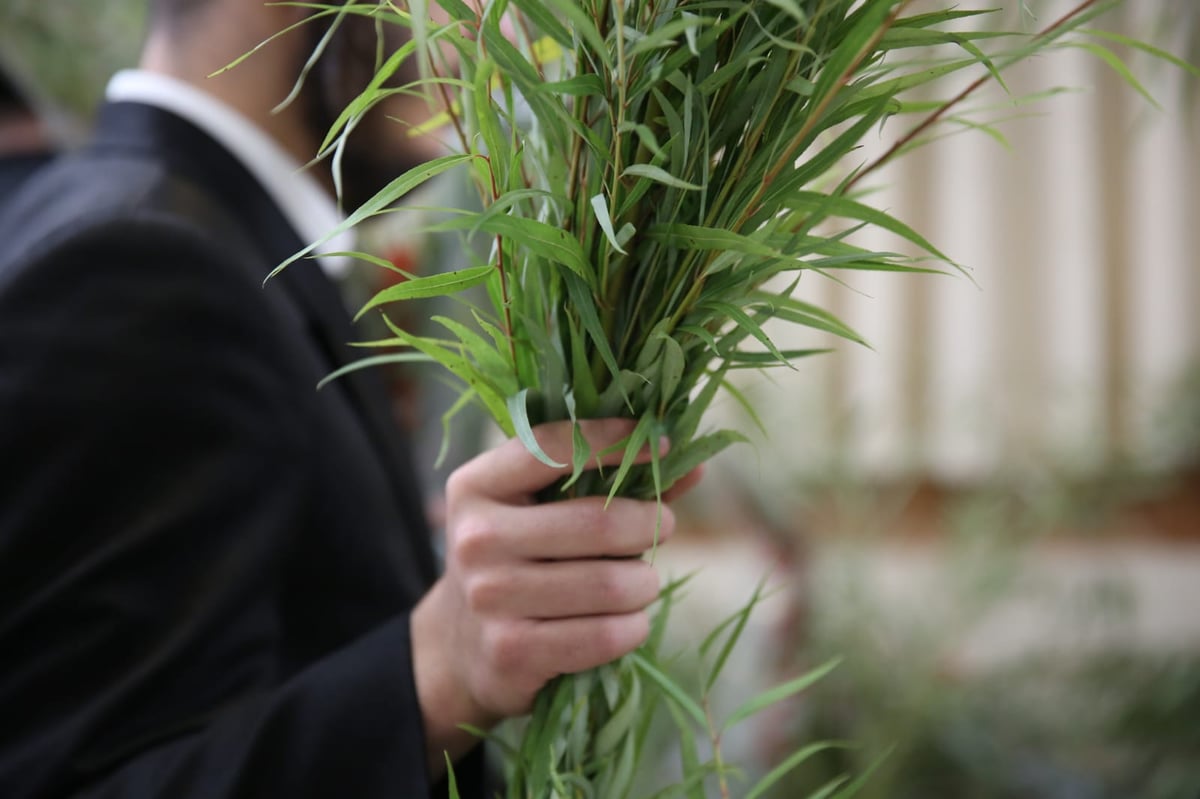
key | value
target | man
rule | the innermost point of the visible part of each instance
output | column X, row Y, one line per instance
column 214, row 580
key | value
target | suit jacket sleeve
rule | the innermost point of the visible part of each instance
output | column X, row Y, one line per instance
column 155, row 455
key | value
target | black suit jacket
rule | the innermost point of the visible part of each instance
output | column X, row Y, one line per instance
column 206, row 565
column 15, row 170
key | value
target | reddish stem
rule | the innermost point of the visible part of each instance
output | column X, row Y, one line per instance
column 512, row 344
column 933, row 118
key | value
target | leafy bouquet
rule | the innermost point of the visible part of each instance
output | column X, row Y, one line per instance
column 656, row 177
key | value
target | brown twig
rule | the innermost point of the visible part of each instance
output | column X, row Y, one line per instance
column 933, row 118
column 512, row 344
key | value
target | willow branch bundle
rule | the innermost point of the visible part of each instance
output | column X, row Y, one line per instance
column 656, row 177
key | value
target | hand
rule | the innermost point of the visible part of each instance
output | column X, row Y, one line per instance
column 530, row 590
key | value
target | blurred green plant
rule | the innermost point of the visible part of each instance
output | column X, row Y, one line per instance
column 64, row 51
column 1061, row 720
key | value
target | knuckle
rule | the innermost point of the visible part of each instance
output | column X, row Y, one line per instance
column 594, row 519
column 472, row 540
column 612, row 583
column 458, row 484
column 648, row 584
column 620, row 635
column 504, row 648
column 481, row 593
column 668, row 524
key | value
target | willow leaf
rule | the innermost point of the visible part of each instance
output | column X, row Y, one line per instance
column 778, row 693
column 706, row 238
column 550, row 242
column 428, row 286
column 686, row 457
column 373, row 361
column 740, row 620
column 600, row 207
column 790, row 763
column 386, row 196
column 461, row 368
column 639, row 438
column 519, row 413
column 672, row 689
column 745, row 322
column 1149, row 49
column 464, row 399
column 659, row 175
column 1118, row 66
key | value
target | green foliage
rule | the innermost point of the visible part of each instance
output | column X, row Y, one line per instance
column 64, row 51
column 1081, row 708
column 656, row 177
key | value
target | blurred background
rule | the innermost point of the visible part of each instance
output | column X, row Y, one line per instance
column 993, row 514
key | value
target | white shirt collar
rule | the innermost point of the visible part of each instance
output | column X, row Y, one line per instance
column 302, row 200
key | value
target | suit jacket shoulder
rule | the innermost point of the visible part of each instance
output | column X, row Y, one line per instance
column 205, row 565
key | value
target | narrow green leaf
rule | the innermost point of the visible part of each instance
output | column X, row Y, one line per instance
column 826, row 790
column 488, row 121
column 780, row 692
column 577, row 86
column 585, row 305
column 832, row 205
column 673, row 363
column 464, row 399
column 687, row 457
column 854, row 787
column 1118, row 66
column 461, row 368
column 790, row 763
column 374, row 360
column 689, row 758
column 426, row 286
column 600, row 207
column 1145, row 47
column 743, row 320
column 739, row 625
column 763, row 360
column 658, row 175
column 451, row 782
column 519, row 414
column 703, row 238
column 386, row 196
column 633, row 445
column 620, row 723
column 676, row 694
column 741, row 399
column 546, row 240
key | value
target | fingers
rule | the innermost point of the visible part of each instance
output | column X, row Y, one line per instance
column 533, row 590
column 570, row 529
column 510, row 471
column 563, row 646
column 564, row 589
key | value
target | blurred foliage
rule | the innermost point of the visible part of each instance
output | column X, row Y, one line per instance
column 63, row 51
column 1118, row 725
column 1181, row 18
column 1082, row 714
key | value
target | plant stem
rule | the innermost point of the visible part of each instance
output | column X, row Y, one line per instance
column 508, row 325
column 792, row 150
column 714, row 736
column 933, row 118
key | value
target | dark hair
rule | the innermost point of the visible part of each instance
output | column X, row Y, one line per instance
column 12, row 99
column 173, row 12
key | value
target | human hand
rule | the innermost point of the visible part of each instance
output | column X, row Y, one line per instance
column 530, row 590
